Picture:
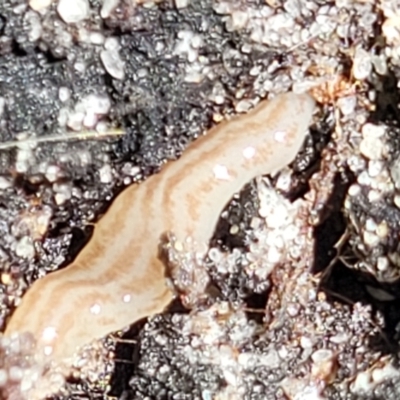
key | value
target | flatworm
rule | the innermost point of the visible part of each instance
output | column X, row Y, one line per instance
column 118, row 277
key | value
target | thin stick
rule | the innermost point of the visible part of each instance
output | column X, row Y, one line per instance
column 59, row 138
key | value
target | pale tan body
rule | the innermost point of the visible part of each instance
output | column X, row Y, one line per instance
column 88, row 299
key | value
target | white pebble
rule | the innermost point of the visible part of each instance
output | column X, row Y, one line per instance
column 108, row 7
column 370, row 225
column 243, row 106
column 33, row 21
column 96, row 38
column 380, row 64
column 382, row 230
column 3, row 377
column 354, row 190
column 4, row 183
column 90, row 120
column 234, row 230
column 75, row 120
column 373, row 148
column 255, row 223
column 273, row 255
column 370, row 239
column 80, row 66
column 306, row 342
column 374, row 195
column 15, row 374
column 390, row 30
column 25, row 158
column 187, row 44
column 239, row 19
column 24, row 248
column 277, row 217
column 197, row 42
column 375, row 168
column 322, row 355
column 362, row 65
column 2, row 105
column 215, row 255
column 112, row 43
column 130, row 170
column 94, row 103
column 62, row 192
column 395, row 173
column 52, row 173
column 63, row 116
column 105, row 174
column 382, row 263
column 181, row 3
column 373, row 131
column 356, row 163
column 364, row 179
column 113, row 63
column 83, row 35
column 347, row 104
column 339, row 338
column 64, row 93
column 73, row 11
column 102, row 127
column 39, row 5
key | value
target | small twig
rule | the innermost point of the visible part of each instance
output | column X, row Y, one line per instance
column 254, row 310
column 61, row 137
column 120, row 361
column 123, row 340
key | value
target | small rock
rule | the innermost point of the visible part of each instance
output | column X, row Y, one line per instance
column 380, row 64
column 181, row 3
column 239, row 19
column 243, row 106
column 382, row 263
column 75, row 120
column 382, row 230
column 362, row 65
column 390, row 29
column 105, row 174
column 373, row 144
column 4, row 183
column 38, row 5
column 108, row 7
column 112, row 43
column 33, row 21
column 113, row 63
column 64, row 94
column 372, row 148
column 52, row 173
column 397, row 200
column 24, row 248
column 73, row 11
column 2, row 105
column 63, row 192
column 370, row 239
column 347, row 105
column 395, row 173
column 375, row 168
column 96, row 38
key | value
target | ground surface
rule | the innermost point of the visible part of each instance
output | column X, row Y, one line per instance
column 324, row 324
